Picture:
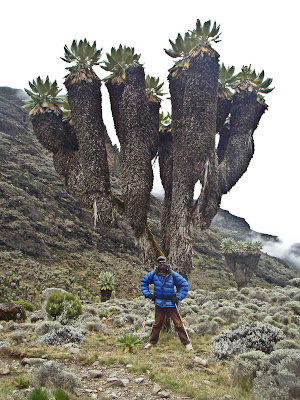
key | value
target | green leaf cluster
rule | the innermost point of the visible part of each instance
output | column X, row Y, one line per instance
column 230, row 246
column 127, row 341
column 22, row 381
column 106, row 280
column 118, row 60
column 42, row 93
column 65, row 107
column 164, row 120
column 257, row 79
column 59, row 303
column 182, row 45
column 202, row 34
column 154, row 88
column 83, row 54
column 207, row 33
column 44, row 394
column 226, row 76
column 25, row 304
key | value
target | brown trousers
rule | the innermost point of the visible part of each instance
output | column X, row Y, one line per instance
column 160, row 313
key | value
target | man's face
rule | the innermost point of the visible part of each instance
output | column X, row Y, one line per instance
column 162, row 265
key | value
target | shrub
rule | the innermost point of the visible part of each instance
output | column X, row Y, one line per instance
column 22, row 381
column 245, row 367
column 59, row 394
column 66, row 334
column 38, row 394
column 207, row 328
column 47, row 326
column 18, row 336
column 67, row 303
column 44, row 394
column 51, row 373
column 287, row 344
column 295, row 282
column 279, row 376
column 95, row 326
column 246, row 337
column 25, row 304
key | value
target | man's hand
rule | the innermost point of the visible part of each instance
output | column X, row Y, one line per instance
column 151, row 297
column 174, row 299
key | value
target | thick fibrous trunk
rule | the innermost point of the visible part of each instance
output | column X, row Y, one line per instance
column 223, row 108
column 136, row 121
column 223, row 141
column 154, row 107
column 165, row 152
column 49, row 129
column 85, row 102
column 115, row 90
column 135, row 156
column 194, row 155
column 243, row 266
column 246, row 112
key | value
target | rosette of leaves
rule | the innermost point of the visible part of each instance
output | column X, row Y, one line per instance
column 227, row 78
column 184, row 46
column 82, row 54
column 43, row 95
column 127, row 342
column 228, row 246
column 255, row 81
column 118, row 60
column 65, row 108
column 164, row 120
column 207, row 33
column 154, row 88
column 106, row 280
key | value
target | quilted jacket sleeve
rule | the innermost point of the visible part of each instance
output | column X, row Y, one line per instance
column 181, row 285
column 145, row 282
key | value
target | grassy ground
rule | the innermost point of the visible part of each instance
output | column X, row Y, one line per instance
column 167, row 363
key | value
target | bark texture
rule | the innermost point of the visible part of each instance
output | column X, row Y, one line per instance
column 243, row 266
column 246, row 111
column 136, row 122
column 165, row 153
column 194, row 108
column 49, row 129
column 85, row 102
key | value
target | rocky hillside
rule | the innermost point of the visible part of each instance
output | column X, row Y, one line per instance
column 47, row 239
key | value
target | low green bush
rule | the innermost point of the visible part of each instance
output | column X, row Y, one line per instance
column 63, row 303
column 38, row 394
column 25, row 304
column 60, row 394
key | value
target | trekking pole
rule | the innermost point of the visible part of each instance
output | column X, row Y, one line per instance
column 182, row 322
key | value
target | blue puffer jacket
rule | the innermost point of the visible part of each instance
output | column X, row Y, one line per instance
column 164, row 286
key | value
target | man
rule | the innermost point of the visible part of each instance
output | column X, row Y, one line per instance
column 166, row 299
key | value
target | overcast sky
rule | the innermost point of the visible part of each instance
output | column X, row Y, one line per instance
column 261, row 33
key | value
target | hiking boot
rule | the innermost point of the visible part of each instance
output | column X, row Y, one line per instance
column 148, row 345
column 189, row 347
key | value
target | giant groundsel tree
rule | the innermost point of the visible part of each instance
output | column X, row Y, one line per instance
column 206, row 98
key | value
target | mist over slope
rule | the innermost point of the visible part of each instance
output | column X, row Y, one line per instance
column 47, row 239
